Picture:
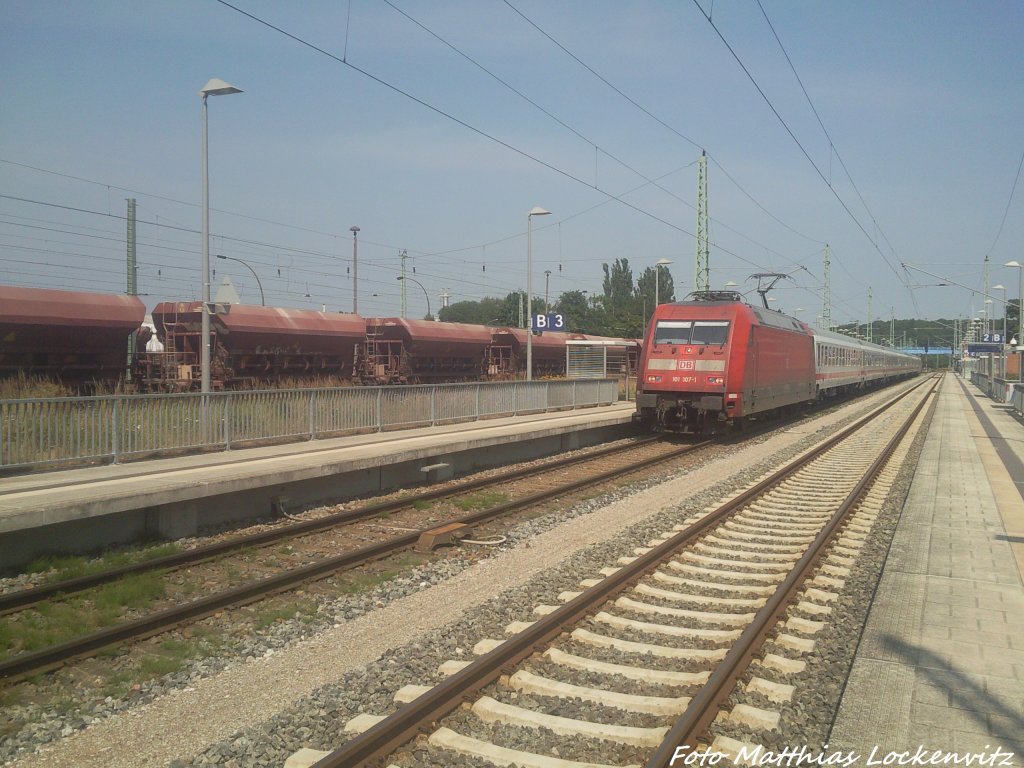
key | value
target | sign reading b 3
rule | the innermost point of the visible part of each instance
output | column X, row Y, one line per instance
column 552, row 322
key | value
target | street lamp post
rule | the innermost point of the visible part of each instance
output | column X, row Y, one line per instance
column 215, row 87
column 263, row 300
column 425, row 294
column 355, row 270
column 1020, row 317
column 529, row 287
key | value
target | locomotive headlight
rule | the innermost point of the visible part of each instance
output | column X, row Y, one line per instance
column 716, row 380
column 654, row 379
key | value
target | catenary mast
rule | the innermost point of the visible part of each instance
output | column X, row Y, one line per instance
column 701, row 280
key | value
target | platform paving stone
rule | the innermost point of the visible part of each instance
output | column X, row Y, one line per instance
column 941, row 660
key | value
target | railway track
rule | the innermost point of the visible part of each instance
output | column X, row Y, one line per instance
column 533, row 485
column 637, row 666
column 27, row 597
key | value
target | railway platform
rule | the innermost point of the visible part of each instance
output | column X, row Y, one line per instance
column 940, row 664
column 84, row 509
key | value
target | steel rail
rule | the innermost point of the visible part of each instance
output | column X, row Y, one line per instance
column 382, row 739
column 27, row 597
column 693, row 725
column 54, row 656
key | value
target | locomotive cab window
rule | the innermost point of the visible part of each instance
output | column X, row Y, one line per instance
column 673, row 332
column 710, row 332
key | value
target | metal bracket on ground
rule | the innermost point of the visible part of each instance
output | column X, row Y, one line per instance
column 438, row 537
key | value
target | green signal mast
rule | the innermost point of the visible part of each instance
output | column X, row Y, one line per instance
column 700, row 282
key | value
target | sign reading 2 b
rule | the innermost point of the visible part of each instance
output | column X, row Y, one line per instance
column 552, row 322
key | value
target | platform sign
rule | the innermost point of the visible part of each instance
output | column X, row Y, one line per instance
column 983, row 349
column 992, row 338
column 550, row 322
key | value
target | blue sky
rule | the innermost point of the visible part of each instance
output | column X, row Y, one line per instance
column 924, row 103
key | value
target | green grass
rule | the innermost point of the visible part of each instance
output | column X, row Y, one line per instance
column 71, row 565
column 62, row 568
column 422, row 505
column 409, row 558
column 355, row 583
column 110, row 651
column 53, row 622
column 117, row 684
column 158, row 666
column 136, row 591
column 481, row 500
column 8, row 697
column 178, row 646
column 171, row 656
column 270, row 616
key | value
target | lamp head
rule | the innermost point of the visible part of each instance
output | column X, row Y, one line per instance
column 539, row 212
column 217, row 87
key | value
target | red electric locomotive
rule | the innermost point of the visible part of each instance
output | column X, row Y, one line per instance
column 713, row 361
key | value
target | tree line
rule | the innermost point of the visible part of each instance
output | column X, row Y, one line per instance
column 622, row 309
column 936, row 334
column 624, row 306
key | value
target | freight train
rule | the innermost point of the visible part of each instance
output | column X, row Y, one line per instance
column 77, row 338
column 714, row 362
column 83, row 339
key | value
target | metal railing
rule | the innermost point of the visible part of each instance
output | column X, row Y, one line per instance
column 67, row 431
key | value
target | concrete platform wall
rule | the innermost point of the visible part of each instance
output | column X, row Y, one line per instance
column 240, row 507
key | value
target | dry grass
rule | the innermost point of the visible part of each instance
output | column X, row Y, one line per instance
column 21, row 387
column 28, row 387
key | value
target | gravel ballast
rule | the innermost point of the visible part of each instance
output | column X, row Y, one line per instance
column 289, row 689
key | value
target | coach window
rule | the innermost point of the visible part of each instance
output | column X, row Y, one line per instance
column 710, row 332
column 672, row 332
